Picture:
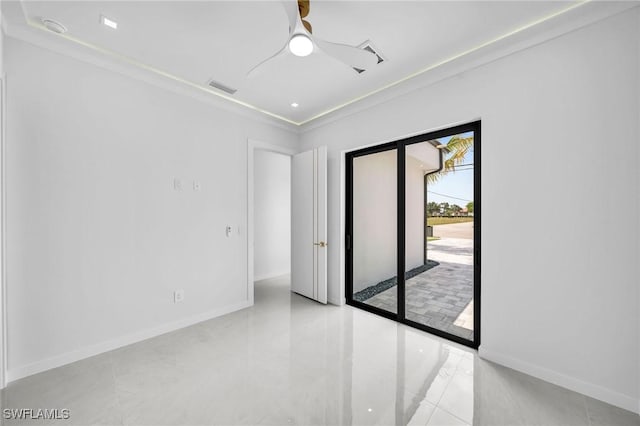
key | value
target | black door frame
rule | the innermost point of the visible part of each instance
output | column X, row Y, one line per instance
column 400, row 146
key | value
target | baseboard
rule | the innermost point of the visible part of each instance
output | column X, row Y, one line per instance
column 336, row 301
column 270, row 275
column 594, row 391
column 89, row 351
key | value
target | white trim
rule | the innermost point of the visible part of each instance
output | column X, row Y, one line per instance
column 3, row 239
column 65, row 46
column 572, row 383
column 252, row 146
column 576, row 16
column 341, row 299
column 146, row 67
column 638, row 178
column 89, row 351
column 568, row 19
column 450, row 59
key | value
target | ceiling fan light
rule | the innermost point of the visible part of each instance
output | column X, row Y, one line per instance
column 300, row 45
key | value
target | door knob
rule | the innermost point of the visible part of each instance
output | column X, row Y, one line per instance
column 321, row 244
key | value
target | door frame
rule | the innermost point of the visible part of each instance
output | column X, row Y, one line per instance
column 254, row 145
column 3, row 234
column 399, row 146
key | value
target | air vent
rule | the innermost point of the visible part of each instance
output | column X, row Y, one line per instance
column 54, row 26
column 367, row 45
column 220, row 86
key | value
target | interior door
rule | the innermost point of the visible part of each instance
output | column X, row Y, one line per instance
column 309, row 224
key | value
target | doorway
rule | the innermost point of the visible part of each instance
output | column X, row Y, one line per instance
column 269, row 214
column 413, row 231
column 272, row 215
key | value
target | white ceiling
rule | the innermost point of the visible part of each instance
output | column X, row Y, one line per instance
column 199, row 40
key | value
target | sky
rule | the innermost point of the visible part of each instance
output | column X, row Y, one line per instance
column 458, row 184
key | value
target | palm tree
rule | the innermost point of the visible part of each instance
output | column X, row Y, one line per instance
column 454, row 152
column 453, row 155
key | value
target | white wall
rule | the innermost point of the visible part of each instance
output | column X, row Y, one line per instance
column 272, row 214
column 98, row 238
column 559, row 156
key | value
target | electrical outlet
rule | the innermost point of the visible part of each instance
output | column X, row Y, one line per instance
column 178, row 296
column 229, row 231
column 196, row 186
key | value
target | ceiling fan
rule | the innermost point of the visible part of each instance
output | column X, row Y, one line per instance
column 301, row 42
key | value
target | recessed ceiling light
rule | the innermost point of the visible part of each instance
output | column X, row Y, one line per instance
column 300, row 45
column 108, row 22
column 54, row 26
column 295, row 105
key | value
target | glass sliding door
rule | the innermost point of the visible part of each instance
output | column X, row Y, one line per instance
column 413, row 231
column 374, row 234
column 439, row 226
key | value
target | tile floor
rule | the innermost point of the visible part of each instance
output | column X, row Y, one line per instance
column 289, row 360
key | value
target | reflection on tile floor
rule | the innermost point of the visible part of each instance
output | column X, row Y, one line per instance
column 289, row 360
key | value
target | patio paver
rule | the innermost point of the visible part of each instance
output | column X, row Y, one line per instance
column 441, row 297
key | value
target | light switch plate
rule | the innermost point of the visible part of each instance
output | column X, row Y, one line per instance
column 178, row 296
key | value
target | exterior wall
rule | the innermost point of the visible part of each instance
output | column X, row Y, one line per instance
column 375, row 217
column 414, row 209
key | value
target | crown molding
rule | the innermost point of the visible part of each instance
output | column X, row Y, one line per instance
column 546, row 29
column 573, row 17
column 18, row 27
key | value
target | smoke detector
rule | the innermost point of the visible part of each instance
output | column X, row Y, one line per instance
column 54, row 26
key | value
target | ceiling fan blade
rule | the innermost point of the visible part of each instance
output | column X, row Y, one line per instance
column 349, row 55
column 304, row 7
column 307, row 26
column 291, row 7
column 257, row 70
column 293, row 14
